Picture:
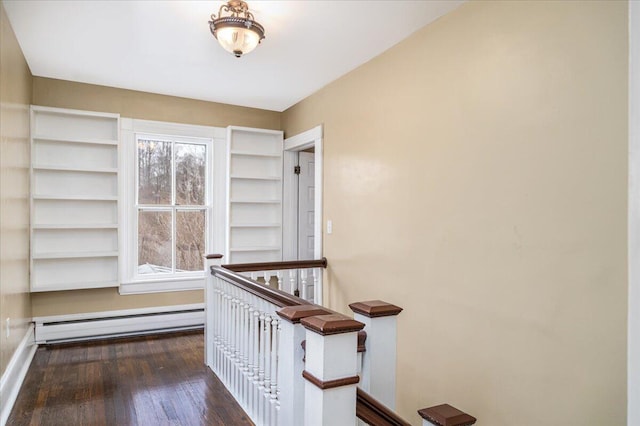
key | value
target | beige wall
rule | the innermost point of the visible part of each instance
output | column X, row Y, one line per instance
column 105, row 299
column 476, row 176
column 15, row 96
column 148, row 106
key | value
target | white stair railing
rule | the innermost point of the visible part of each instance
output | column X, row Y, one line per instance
column 301, row 278
column 247, row 341
column 245, row 349
column 254, row 335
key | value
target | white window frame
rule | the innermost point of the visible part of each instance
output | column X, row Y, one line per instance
column 130, row 281
column 173, row 208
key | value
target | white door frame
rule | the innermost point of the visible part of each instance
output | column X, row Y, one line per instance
column 310, row 139
column 633, row 338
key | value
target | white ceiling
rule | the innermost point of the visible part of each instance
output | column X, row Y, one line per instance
column 165, row 46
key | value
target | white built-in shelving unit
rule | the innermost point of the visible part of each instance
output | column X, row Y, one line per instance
column 254, row 216
column 74, row 199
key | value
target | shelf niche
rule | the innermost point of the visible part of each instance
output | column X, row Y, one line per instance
column 254, row 212
column 74, row 199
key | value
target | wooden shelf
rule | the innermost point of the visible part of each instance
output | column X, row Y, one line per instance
column 76, row 169
column 75, row 140
column 256, row 225
column 255, row 154
column 273, row 178
column 76, row 226
column 75, row 285
column 74, row 255
column 255, row 248
column 75, row 197
column 252, row 201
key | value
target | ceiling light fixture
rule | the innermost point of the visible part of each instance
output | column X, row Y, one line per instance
column 238, row 32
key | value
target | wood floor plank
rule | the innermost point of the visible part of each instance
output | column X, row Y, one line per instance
column 151, row 380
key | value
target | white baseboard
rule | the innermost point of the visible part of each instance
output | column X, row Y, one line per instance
column 15, row 373
column 98, row 325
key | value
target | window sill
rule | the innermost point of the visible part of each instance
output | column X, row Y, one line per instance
column 162, row 285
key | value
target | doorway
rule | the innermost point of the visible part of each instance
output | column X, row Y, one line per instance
column 302, row 196
column 305, row 171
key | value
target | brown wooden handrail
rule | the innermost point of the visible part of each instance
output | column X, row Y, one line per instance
column 273, row 295
column 272, row 266
column 375, row 413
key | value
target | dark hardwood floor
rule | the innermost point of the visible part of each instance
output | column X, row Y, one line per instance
column 153, row 380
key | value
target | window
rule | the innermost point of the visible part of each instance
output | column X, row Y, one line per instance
column 173, row 192
column 171, row 205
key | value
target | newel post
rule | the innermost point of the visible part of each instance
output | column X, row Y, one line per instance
column 291, row 356
column 331, row 370
column 445, row 415
column 379, row 360
column 209, row 305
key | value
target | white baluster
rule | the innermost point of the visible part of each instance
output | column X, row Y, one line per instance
column 261, row 351
column 215, row 308
column 221, row 328
column 239, row 340
column 221, row 325
column 241, row 352
column 228, row 338
column 245, row 357
column 303, row 283
column 209, row 295
column 216, row 324
column 273, row 392
column 223, row 337
column 237, row 357
column 240, row 334
column 317, row 285
column 256, row 359
column 250, row 343
column 230, row 331
column 267, row 368
column 232, row 348
column 267, row 278
column 293, row 278
column 279, row 276
column 234, row 345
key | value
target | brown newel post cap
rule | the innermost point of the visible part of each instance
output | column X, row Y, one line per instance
column 375, row 308
column 446, row 415
column 331, row 324
column 294, row 314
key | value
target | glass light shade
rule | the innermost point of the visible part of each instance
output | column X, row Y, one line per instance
column 238, row 32
column 237, row 40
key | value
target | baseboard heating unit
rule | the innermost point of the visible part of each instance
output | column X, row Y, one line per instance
column 129, row 322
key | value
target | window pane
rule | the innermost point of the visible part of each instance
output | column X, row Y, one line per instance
column 154, row 172
column 154, row 242
column 190, row 177
column 190, row 230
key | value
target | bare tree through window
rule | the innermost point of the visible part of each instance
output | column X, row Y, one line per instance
column 171, row 206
